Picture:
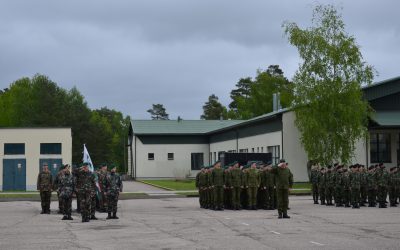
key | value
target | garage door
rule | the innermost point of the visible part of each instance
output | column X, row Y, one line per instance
column 14, row 174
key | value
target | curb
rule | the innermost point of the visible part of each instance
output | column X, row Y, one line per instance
column 154, row 185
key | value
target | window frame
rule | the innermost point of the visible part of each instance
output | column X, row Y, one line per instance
column 375, row 144
column 150, row 158
column 170, row 158
column 53, row 144
column 9, row 151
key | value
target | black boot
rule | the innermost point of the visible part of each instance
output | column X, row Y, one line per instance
column 65, row 217
column 109, row 216
column 115, row 215
column 83, row 219
column 43, row 212
column 280, row 215
column 93, row 217
column 285, row 216
column 69, row 217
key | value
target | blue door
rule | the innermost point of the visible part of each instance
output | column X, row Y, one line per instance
column 14, row 174
column 54, row 165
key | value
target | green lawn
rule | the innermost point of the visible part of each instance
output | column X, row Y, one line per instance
column 190, row 184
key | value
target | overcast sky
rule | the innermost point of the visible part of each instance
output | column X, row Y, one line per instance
column 127, row 55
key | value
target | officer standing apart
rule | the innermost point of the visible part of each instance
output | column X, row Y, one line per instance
column 113, row 186
column 66, row 189
column 284, row 182
column 44, row 185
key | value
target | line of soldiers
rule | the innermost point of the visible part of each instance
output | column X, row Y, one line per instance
column 356, row 185
column 252, row 186
column 101, row 187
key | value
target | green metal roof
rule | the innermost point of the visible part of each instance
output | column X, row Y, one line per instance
column 382, row 89
column 155, row 127
column 387, row 118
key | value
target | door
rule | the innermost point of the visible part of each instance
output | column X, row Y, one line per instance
column 54, row 165
column 14, row 174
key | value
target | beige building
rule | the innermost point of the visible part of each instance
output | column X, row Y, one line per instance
column 24, row 150
column 161, row 149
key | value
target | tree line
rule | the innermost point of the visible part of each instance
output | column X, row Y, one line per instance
column 40, row 102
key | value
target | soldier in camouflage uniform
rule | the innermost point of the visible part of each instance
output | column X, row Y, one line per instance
column 93, row 196
column 397, row 184
column 56, row 188
column 329, row 182
column 382, row 182
column 253, row 182
column 346, row 187
column 322, row 185
column 314, row 183
column 103, row 197
column 355, row 182
column 338, row 179
column 66, row 189
column 85, row 192
column 284, row 182
column 113, row 187
column 218, row 183
column 78, row 186
column 392, row 186
column 237, row 185
column 363, row 185
column 202, row 185
column 44, row 185
column 371, row 186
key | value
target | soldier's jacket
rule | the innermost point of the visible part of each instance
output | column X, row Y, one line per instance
column 355, row 180
column 56, row 183
column 337, row 177
column 209, row 184
column 263, row 179
column 66, row 185
column 244, row 179
column 393, row 179
column 102, row 179
column 322, row 180
column 283, row 178
column 269, row 178
column 236, row 177
column 78, row 179
column 88, row 181
column 202, row 180
column 217, row 177
column 382, row 178
column 397, row 179
column 372, row 180
column 253, row 178
column 364, row 179
column 113, row 184
column 329, row 179
column 346, row 181
column 314, row 176
column 45, row 181
column 227, row 178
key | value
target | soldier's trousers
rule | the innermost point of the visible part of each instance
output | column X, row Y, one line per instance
column 392, row 195
column 243, row 197
column 262, row 198
column 227, row 198
column 236, row 197
column 218, row 196
column 322, row 194
column 252, row 196
column 45, row 198
column 211, row 197
column 381, row 194
column 364, row 195
column 202, row 197
column 67, row 205
column 329, row 194
column 338, row 195
column 283, row 200
column 270, row 192
column 372, row 197
column 315, row 192
column 86, row 201
column 346, row 197
column 78, row 201
column 60, row 203
column 93, row 204
column 112, row 203
column 103, row 202
column 355, row 196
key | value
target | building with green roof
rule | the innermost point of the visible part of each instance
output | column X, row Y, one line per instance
column 178, row 148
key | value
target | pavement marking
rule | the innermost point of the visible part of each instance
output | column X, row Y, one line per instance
column 245, row 224
column 227, row 218
column 275, row 232
column 316, row 243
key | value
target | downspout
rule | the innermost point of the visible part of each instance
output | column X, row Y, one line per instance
column 282, row 137
column 134, row 175
column 366, row 151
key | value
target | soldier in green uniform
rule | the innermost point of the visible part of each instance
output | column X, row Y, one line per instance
column 392, row 186
column 44, row 185
column 355, row 182
column 202, row 185
column 93, row 195
column 66, row 189
column 338, row 177
column 382, row 181
column 210, row 189
column 363, row 185
column 78, row 185
column 262, row 190
column 237, row 185
column 253, row 182
column 371, row 186
column 113, row 186
column 218, row 183
column 321, row 185
column 270, row 185
column 314, row 182
column 227, row 187
column 243, row 195
column 329, row 182
column 346, row 187
column 284, row 182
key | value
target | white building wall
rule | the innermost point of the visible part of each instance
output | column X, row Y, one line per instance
column 216, row 147
column 261, row 141
column 161, row 167
column 32, row 137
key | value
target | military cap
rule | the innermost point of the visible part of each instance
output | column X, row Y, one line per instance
column 233, row 163
column 282, row 160
column 371, row 167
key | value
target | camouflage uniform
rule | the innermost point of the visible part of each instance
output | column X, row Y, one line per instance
column 322, row 186
column 202, row 185
column 217, row 180
column 363, row 186
column 113, row 187
column 270, row 191
column 85, row 192
column 330, row 183
column 355, row 182
column 66, row 189
column 78, row 187
column 56, row 188
column 372, row 187
column 227, row 189
column 44, row 185
column 103, row 197
column 382, row 181
column 346, row 188
column 392, row 187
column 253, row 182
column 338, row 177
column 314, row 184
column 93, row 196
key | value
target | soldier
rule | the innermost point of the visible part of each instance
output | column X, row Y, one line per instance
column 44, row 185
column 338, row 177
column 382, row 181
column 85, row 192
column 202, row 185
column 243, row 195
column 329, row 182
column 217, row 180
column 237, row 185
column 314, row 182
column 93, row 195
column 113, row 187
column 397, row 184
column 392, row 187
column 56, row 188
column 363, row 185
column 355, row 182
column 371, row 186
column 253, row 183
column 270, row 184
column 103, row 197
column 66, row 189
column 322, row 185
column 284, row 182
column 346, row 187
column 227, row 188
column 78, row 185
column 262, row 191
column 210, row 189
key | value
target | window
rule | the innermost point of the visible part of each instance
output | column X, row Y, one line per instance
column 50, row 148
column 170, row 156
column 262, row 149
column 243, row 150
column 219, row 154
column 210, row 159
column 258, row 149
column 276, row 154
column 380, row 148
column 150, row 156
column 215, row 157
column 14, row 148
column 252, row 150
column 197, row 161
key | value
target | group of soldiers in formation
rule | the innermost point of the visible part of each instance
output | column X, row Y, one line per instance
column 99, row 189
column 252, row 186
column 356, row 185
